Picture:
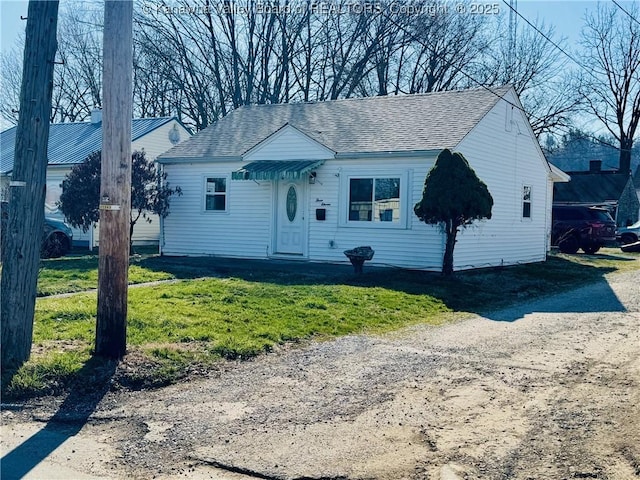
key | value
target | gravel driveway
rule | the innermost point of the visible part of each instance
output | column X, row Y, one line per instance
column 544, row 390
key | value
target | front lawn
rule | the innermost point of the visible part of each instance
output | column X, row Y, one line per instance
column 176, row 329
column 77, row 273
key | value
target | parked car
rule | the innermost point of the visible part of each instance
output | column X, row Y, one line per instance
column 630, row 234
column 56, row 235
column 588, row 228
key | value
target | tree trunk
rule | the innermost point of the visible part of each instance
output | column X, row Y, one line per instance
column 625, row 155
column 21, row 252
column 115, row 186
column 451, row 230
column 131, row 225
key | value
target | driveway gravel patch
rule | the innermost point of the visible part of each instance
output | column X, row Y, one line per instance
column 548, row 389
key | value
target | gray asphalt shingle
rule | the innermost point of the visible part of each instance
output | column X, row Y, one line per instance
column 401, row 123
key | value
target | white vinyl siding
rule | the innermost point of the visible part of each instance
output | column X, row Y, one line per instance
column 505, row 161
column 144, row 232
column 245, row 231
column 504, row 158
column 288, row 143
column 157, row 141
column 415, row 246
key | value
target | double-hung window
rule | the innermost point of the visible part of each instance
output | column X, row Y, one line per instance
column 215, row 194
column 374, row 200
column 526, row 201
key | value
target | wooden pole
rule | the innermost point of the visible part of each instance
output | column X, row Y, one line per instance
column 115, row 184
column 23, row 235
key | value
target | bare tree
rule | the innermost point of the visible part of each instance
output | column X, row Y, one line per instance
column 394, row 37
column 154, row 94
column 538, row 70
column 218, row 56
column 447, row 45
column 611, row 41
column 351, row 49
column 77, row 82
column 11, row 75
column 182, row 49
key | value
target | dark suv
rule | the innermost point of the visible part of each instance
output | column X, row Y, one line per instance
column 588, row 228
column 56, row 235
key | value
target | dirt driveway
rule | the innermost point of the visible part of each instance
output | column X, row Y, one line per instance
column 546, row 390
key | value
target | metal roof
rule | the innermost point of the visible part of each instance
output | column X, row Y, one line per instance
column 395, row 123
column 591, row 187
column 71, row 143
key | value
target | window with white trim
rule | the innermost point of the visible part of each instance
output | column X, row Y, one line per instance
column 526, row 201
column 374, row 199
column 215, row 194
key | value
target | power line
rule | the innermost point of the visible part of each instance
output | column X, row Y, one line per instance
column 589, row 71
column 450, row 64
column 571, row 57
column 625, row 11
column 481, row 84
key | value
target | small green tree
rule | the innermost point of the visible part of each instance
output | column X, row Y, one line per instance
column 80, row 198
column 454, row 197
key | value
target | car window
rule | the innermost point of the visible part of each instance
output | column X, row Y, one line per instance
column 565, row 214
column 600, row 215
column 635, row 225
column 559, row 214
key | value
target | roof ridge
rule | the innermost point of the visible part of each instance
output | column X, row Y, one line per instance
column 407, row 122
column 88, row 122
column 497, row 91
column 600, row 172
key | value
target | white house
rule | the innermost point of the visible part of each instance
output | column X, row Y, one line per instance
column 71, row 143
column 310, row 180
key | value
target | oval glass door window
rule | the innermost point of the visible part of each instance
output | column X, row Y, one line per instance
column 292, row 203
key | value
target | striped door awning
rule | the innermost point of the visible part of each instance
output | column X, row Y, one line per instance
column 276, row 169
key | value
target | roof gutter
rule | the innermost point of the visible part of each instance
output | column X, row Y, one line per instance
column 337, row 156
column 391, row 153
column 557, row 175
column 171, row 160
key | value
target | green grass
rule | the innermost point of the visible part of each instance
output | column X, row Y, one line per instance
column 176, row 329
column 48, row 373
column 239, row 318
column 80, row 273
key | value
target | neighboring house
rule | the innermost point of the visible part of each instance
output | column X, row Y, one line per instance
column 605, row 188
column 636, row 182
column 310, row 180
column 578, row 150
column 71, row 143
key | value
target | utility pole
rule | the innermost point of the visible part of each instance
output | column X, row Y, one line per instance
column 21, row 249
column 513, row 32
column 115, row 182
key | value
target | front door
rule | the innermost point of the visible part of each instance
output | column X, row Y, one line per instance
column 290, row 218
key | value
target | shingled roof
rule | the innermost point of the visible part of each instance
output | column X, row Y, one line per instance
column 594, row 188
column 71, row 143
column 401, row 123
